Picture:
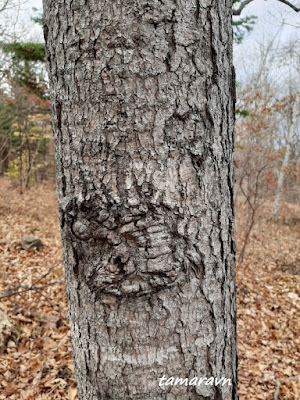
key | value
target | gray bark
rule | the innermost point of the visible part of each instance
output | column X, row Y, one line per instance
column 142, row 97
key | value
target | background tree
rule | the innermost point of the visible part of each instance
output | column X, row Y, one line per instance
column 6, row 24
column 266, row 109
column 142, row 98
column 290, row 146
column 254, row 155
column 25, row 150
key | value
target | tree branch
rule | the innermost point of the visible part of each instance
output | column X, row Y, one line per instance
column 246, row 2
column 5, row 4
column 18, row 289
column 276, row 390
column 241, row 7
column 14, row 291
column 297, row 9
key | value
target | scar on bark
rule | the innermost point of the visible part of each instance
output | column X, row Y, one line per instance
column 125, row 251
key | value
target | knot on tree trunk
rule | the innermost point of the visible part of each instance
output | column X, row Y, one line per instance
column 128, row 251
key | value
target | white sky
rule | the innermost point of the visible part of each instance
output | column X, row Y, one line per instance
column 269, row 27
column 18, row 20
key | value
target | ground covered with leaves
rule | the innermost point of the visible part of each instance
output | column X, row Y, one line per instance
column 36, row 363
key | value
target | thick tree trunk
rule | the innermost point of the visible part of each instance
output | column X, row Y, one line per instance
column 142, row 96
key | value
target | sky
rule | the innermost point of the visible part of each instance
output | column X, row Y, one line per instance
column 19, row 18
column 277, row 24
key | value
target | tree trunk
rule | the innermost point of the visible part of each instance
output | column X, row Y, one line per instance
column 142, row 99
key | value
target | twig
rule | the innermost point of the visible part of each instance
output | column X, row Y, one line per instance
column 241, row 7
column 295, row 8
column 15, row 290
column 9, row 293
column 50, row 302
column 277, row 390
column 246, row 2
column 61, row 342
column 47, row 273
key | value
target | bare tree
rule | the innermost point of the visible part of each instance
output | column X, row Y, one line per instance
column 291, row 139
column 6, row 6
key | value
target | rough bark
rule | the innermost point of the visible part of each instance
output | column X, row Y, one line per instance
column 142, row 97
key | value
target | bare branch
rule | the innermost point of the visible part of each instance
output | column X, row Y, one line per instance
column 14, row 291
column 276, row 390
column 50, row 302
column 4, row 6
column 18, row 289
column 246, row 2
column 297, row 9
column 241, row 7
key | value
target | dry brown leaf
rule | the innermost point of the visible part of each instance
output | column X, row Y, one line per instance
column 72, row 393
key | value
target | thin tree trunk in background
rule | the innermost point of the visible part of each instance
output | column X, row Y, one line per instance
column 287, row 156
column 142, row 99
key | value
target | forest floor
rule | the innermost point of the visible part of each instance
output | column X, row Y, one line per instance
column 38, row 365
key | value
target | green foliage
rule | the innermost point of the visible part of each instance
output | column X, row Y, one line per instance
column 25, row 51
column 25, row 136
column 7, row 117
column 242, row 113
column 237, row 145
column 26, row 69
column 242, row 26
column 7, row 113
column 39, row 18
